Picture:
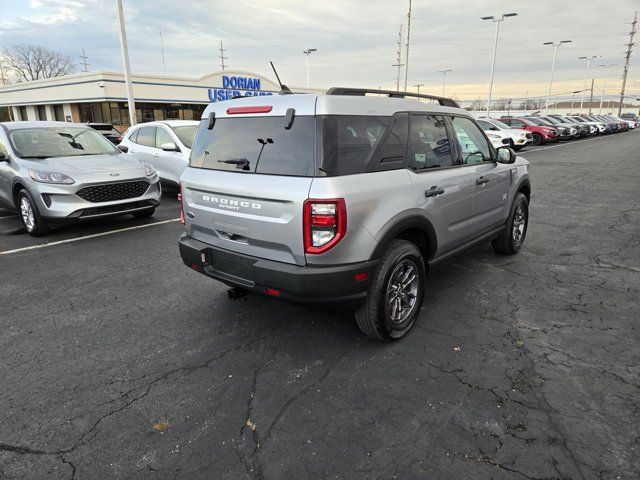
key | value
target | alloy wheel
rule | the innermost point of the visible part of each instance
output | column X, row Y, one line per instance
column 26, row 210
column 518, row 225
column 402, row 291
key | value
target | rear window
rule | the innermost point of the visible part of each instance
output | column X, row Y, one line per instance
column 336, row 145
column 102, row 127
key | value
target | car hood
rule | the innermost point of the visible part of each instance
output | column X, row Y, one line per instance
column 88, row 164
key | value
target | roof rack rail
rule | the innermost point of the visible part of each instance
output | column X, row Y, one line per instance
column 360, row 92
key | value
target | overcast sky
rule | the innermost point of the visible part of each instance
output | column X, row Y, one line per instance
column 356, row 40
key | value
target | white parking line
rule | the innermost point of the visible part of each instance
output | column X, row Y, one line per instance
column 86, row 237
column 568, row 143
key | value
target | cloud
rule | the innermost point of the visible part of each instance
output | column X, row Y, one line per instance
column 355, row 39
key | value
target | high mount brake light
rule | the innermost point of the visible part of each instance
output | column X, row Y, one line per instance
column 252, row 109
column 324, row 224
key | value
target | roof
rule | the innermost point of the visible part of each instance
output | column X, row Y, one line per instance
column 311, row 104
column 170, row 123
column 42, row 124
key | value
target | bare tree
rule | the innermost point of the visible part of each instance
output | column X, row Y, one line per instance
column 32, row 62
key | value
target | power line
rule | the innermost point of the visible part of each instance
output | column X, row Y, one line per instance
column 634, row 24
column 222, row 57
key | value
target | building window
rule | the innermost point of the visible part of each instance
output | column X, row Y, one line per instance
column 42, row 113
column 58, row 113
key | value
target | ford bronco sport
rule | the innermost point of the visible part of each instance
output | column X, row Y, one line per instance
column 346, row 197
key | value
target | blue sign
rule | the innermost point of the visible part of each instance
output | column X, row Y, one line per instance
column 236, row 87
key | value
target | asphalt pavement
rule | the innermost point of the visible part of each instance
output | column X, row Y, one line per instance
column 116, row 361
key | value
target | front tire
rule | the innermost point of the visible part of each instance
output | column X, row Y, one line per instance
column 395, row 295
column 510, row 241
column 33, row 222
column 537, row 139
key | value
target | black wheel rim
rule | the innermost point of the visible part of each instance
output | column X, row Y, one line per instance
column 519, row 225
column 401, row 295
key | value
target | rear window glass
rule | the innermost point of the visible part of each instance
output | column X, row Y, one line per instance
column 102, row 127
column 257, row 144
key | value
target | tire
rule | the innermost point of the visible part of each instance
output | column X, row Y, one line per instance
column 32, row 221
column 509, row 242
column 376, row 316
column 511, row 144
column 144, row 213
column 518, row 148
column 537, row 139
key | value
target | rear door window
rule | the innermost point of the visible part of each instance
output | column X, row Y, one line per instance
column 474, row 147
column 257, row 144
column 162, row 137
column 147, row 136
column 348, row 142
column 429, row 145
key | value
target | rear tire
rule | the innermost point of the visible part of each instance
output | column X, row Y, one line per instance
column 395, row 295
column 510, row 241
column 33, row 222
column 144, row 213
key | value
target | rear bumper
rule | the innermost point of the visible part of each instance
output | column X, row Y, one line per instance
column 308, row 285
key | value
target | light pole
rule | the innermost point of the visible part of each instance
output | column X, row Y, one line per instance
column 586, row 73
column 604, row 84
column 444, row 73
column 553, row 67
column 418, row 85
column 125, row 61
column 307, row 52
column 497, row 21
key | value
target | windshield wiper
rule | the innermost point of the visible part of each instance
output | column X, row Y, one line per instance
column 241, row 163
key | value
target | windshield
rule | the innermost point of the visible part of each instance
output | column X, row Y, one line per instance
column 499, row 124
column 537, row 121
column 45, row 142
column 550, row 120
column 186, row 134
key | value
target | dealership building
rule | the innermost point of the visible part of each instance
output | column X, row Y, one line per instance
column 101, row 96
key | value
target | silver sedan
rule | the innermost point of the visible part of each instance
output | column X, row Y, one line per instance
column 58, row 172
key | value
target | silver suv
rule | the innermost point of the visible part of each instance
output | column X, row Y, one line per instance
column 346, row 198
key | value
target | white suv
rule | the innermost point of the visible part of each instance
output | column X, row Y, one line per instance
column 165, row 144
column 517, row 139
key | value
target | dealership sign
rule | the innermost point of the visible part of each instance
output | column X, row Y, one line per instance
column 237, row 87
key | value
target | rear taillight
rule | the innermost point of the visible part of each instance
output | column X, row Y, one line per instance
column 181, row 206
column 250, row 109
column 324, row 224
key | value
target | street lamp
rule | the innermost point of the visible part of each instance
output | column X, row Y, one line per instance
column 444, row 73
column 418, row 85
column 604, row 85
column 586, row 73
column 497, row 21
column 307, row 52
column 553, row 67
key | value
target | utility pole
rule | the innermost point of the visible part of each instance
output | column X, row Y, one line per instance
column 632, row 34
column 222, row 57
column 127, row 69
column 164, row 67
column 418, row 85
column 398, row 59
column 85, row 65
column 444, row 73
column 406, row 61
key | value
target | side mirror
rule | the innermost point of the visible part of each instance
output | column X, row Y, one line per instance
column 169, row 147
column 123, row 148
column 506, row 155
column 494, row 128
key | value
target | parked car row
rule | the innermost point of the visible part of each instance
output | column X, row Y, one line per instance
column 555, row 127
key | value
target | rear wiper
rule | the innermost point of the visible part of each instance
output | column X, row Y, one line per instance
column 241, row 163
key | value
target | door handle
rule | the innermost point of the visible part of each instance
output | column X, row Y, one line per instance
column 482, row 181
column 433, row 191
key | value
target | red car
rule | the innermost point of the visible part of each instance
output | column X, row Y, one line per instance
column 541, row 134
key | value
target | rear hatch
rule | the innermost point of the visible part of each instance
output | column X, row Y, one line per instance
column 248, row 179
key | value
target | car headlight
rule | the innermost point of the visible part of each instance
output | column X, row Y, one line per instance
column 149, row 169
column 493, row 135
column 51, row 177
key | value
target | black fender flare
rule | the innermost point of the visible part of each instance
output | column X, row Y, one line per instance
column 414, row 221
